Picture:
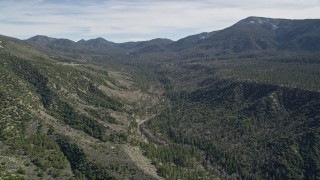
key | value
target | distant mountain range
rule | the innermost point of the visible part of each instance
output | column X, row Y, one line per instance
column 250, row 34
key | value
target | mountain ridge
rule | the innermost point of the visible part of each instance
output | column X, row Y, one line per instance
column 249, row 34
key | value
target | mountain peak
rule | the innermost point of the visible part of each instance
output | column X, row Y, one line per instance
column 81, row 41
column 256, row 20
column 99, row 43
column 100, row 39
column 41, row 39
column 272, row 24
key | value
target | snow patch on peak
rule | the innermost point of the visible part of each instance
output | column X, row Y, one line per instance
column 203, row 37
column 272, row 23
column 206, row 35
column 274, row 27
column 255, row 20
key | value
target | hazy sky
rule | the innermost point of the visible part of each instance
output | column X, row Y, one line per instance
column 130, row 20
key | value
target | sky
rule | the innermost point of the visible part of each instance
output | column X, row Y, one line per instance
column 137, row 20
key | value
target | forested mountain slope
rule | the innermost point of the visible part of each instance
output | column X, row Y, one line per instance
column 238, row 103
column 248, row 129
column 61, row 120
column 257, row 33
column 253, row 111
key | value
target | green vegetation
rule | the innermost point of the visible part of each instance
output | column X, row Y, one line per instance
column 68, row 115
column 243, row 103
column 296, row 72
column 29, row 73
column 13, row 123
column 82, row 167
column 97, row 98
column 247, row 128
column 41, row 98
column 10, row 176
column 177, row 161
column 44, row 153
column 118, row 137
